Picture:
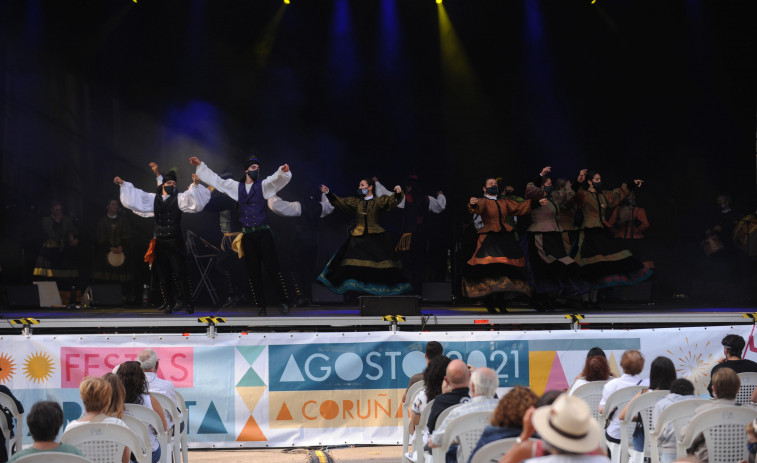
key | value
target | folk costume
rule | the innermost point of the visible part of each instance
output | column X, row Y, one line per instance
column 367, row 262
column 57, row 257
column 256, row 241
column 113, row 231
column 413, row 245
column 169, row 250
column 604, row 261
column 498, row 265
column 301, row 256
column 553, row 271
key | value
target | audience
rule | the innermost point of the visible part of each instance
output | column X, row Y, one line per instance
column 148, row 359
column 751, row 434
column 118, row 395
column 433, row 349
column 681, row 389
column 596, row 368
column 433, row 378
column 456, row 386
column 44, row 421
column 9, row 420
column 733, row 347
column 135, row 384
column 507, row 419
column 483, row 387
column 632, row 362
column 96, row 395
column 725, row 385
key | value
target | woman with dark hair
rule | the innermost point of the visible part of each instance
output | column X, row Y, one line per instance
column 507, row 419
column 497, row 269
column 433, row 379
column 367, row 262
column 596, row 368
column 604, row 261
column 136, row 388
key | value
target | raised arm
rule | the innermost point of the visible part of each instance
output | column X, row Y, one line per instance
column 274, row 183
column 136, row 200
column 436, row 205
column 194, row 199
column 284, row 208
column 229, row 186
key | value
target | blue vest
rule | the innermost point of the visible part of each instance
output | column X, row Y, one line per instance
column 252, row 205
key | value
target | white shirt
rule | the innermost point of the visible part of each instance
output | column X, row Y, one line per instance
column 579, row 382
column 613, row 430
column 476, row 404
column 270, row 185
column 193, row 200
column 294, row 208
column 435, row 205
column 165, row 387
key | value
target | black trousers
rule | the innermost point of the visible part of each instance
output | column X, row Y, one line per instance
column 260, row 249
column 171, row 260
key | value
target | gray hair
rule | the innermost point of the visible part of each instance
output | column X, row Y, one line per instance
column 485, row 381
column 148, row 359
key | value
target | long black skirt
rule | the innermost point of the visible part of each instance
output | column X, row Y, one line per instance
column 552, row 269
column 606, row 262
column 498, row 265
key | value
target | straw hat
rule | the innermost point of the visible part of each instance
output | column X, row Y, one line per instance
column 568, row 425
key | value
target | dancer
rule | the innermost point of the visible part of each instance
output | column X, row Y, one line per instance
column 257, row 245
column 553, row 270
column 112, row 261
column 413, row 245
column 498, row 266
column 167, row 206
column 604, row 261
column 367, row 262
column 304, row 251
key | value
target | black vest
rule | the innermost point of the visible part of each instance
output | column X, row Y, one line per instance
column 167, row 217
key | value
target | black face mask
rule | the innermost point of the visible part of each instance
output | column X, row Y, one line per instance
column 549, row 189
column 253, row 174
column 597, row 185
column 492, row 190
column 169, row 189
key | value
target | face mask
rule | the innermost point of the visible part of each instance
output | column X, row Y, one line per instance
column 549, row 189
column 752, row 447
column 597, row 185
column 492, row 190
column 362, row 191
column 723, row 205
column 169, row 189
column 253, row 174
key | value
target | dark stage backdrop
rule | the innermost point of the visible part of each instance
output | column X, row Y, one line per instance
column 341, row 89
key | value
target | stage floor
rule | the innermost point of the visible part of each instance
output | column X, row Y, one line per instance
column 348, row 318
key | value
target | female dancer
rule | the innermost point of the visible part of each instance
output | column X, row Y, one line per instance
column 498, row 265
column 367, row 262
column 604, row 261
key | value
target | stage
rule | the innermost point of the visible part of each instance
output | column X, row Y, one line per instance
column 321, row 318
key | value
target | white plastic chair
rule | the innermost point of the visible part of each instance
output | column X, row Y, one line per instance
column 677, row 414
column 139, row 428
column 617, row 400
column 54, row 457
column 493, row 451
column 724, row 433
column 15, row 443
column 591, row 393
column 748, row 383
column 183, row 436
column 406, row 407
column 443, row 415
column 104, row 442
column 148, row 416
column 642, row 405
column 467, row 429
column 173, row 436
column 418, row 442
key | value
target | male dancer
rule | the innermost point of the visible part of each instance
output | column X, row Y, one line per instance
column 167, row 207
column 257, row 241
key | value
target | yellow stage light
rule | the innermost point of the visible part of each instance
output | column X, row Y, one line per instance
column 287, row 2
column 439, row 2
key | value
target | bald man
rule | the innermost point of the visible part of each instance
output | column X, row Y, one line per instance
column 456, row 383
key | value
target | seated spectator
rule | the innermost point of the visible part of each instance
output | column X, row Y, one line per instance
column 433, row 377
column 148, row 359
column 725, row 385
column 456, row 383
column 681, row 389
column 507, row 419
column 569, row 432
column 751, row 434
column 733, row 347
column 596, row 368
column 45, row 420
column 483, row 387
column 96, row 395
column 118, row 395
column 632, row 362
column 9, row 419
column 135, row 384
column 433, row 350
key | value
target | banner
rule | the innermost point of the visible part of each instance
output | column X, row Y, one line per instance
column 311, row 389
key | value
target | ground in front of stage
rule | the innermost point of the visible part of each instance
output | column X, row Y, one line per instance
column 383, row 454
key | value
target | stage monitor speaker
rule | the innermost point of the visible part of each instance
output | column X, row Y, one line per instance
column 102, row 295
column 389, row 305
column 322, row 295
column 22, row 296
column 437, row 291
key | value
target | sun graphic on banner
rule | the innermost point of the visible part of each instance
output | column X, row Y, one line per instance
column 38, row 367
column 7, row 367
column 694, row 364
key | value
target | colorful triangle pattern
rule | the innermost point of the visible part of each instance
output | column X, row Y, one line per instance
column 251, row 388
